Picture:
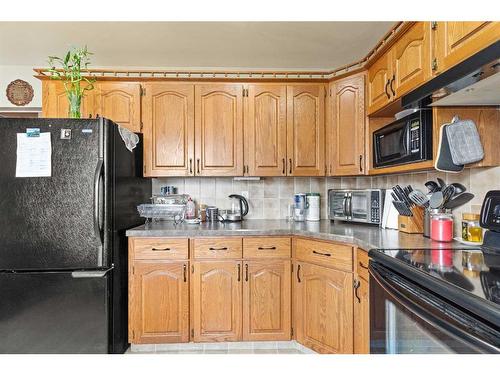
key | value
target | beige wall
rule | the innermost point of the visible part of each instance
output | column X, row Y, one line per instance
column 270, row 196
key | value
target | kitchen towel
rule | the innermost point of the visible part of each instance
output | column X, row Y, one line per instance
column 129, row 138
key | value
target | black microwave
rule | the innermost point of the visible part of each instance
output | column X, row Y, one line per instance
column 406, row 140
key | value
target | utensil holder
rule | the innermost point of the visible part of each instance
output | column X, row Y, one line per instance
column 412, row 224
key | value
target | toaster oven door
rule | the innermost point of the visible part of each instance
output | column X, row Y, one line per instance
column 359, row 205
column 338, row 205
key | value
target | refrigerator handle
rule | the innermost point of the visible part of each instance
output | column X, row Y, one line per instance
column 97, row 200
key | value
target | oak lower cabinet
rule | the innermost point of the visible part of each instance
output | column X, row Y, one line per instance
column 362, row 304
column 323, row 308
column 346, row 135
column 267, row 300
column 159, row 302
column 216, row 293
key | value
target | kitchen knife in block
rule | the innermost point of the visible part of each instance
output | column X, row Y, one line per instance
column 412, row 224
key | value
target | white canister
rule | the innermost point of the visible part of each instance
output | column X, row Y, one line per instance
column 312, row 207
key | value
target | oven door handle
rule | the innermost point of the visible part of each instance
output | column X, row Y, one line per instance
column 419, row 310
column 344, row 207
column 349, row 206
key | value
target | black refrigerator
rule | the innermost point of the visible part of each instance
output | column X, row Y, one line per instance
column 63, row 250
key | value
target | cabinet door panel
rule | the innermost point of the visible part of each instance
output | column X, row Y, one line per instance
column 121, row 103
column 457, row 40
column 267, row 300
column 362, row 318
column 411, row 59
column 265, row 130
column 217, row 301
column 169, row 129
column 219, row 130
column 159, row 302
column 348, row 127
column 55, row 103
column 306, row 130
column 324, row 309
column 379, row 75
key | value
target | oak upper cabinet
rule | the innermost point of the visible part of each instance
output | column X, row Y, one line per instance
column 265, row 130
column 267, row 300
column 120, row 102
column 323, row 308
column 159, row 302
column 411, row 61
column 219, row 129
column 55, row 103
column 346, row 146
column 379, row 78
column 216, row 301
column 405, row 66
column 306, row 130
column 454, row 41
column 168, row 126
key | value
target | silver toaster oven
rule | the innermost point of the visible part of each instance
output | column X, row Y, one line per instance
column 362, row 206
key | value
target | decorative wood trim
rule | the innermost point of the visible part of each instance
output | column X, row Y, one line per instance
column 268, row 75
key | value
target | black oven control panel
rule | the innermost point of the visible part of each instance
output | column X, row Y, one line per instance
column 415, row 136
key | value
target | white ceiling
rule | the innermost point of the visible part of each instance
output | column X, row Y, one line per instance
column 247, row 45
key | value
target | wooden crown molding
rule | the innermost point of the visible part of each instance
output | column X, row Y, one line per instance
column 292, row 75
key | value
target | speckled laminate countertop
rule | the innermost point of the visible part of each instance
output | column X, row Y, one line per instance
column 365, row 236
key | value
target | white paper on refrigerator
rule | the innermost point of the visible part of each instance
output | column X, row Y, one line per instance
column 34, row 155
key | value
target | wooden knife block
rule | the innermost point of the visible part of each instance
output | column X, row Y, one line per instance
column 412, row 224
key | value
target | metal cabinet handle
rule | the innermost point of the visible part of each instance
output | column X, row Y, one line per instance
column 184, row 271
column 356, row 286
column 363, row 266
column 246, row 272
column 217, row 248
column 361, row 163
column 190, row 166
column 324, row 254
column 385, row 89
column 298, row 274
column 267, row 248
column 290, row 169
column 392, row 80
column 284, row 167
column 165, row 249
column 198, row 166
column 239, row 272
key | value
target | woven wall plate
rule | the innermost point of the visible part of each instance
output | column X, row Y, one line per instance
column 19, row 92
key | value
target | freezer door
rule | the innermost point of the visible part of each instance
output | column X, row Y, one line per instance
column 48, row 312
column 53, row 222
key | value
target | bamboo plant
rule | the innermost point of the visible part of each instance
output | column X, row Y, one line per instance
column 69, row 71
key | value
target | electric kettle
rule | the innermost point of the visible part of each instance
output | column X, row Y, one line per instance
column 239, row 208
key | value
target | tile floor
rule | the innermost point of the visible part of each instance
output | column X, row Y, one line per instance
column 261, row 347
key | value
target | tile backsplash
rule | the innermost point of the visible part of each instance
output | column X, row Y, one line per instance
column 270, row 196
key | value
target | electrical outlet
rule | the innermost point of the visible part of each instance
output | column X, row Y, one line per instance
column 245, row 194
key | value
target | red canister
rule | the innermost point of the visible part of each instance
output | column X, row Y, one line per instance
column 442, row 227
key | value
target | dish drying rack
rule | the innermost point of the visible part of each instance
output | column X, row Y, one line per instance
column 164, row 207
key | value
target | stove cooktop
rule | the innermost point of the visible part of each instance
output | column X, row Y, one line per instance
column 475, row 271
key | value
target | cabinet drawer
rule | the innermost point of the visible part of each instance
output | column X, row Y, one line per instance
column 160, row 248
column 219, row 248
column 266, row 247
column 362, row 264
column 324, row 253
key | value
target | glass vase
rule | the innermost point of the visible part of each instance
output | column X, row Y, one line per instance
column 75, row 101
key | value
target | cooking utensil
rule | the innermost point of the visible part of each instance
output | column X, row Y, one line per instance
column 459, row 188
column 402, row 208
column 441, row 182
column 402, row 195
column 436, row 200
column 419, row 198
column 458, row 200
column 432, row 186
column 448, row 193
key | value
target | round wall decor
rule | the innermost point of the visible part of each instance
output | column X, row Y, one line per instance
column 19, row 92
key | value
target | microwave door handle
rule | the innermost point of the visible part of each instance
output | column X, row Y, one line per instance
column 419, row 310
column 405, row 141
